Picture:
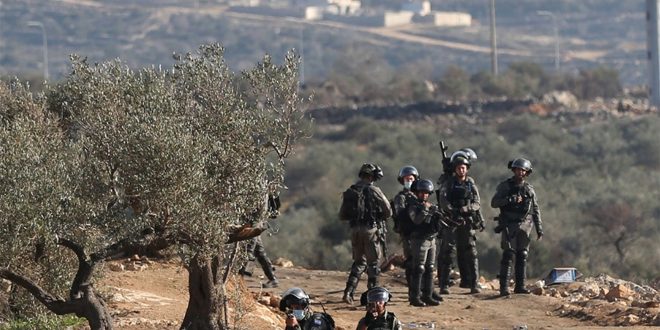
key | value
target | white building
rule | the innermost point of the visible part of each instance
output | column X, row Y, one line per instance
column 421, row 8
column 451, row 18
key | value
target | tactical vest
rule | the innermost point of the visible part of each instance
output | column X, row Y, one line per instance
column 385, row 322
column 460, row 194
column 518, row 211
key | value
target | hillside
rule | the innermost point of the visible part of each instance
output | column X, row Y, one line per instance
column 155, row 297
column 146, row 33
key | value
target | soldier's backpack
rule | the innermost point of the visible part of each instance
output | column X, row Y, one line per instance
column 353, row 203
column 359, row 205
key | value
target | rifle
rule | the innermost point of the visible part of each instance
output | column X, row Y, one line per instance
column 382, row 235
column 446, row 165
column 479, row 223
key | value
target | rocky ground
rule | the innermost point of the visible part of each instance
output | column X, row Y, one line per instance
column 153, row 295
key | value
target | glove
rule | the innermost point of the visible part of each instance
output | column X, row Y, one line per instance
column 539, row 234
column 481, row 226
column 464, row 210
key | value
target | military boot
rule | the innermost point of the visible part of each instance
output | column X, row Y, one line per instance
column 372, row 282
column 427, row 289
column 520, row 272
column 473, row 268
column 414, row 289
column 270, row 274
column 351, row 284
column 505, row 273
column 444, row 279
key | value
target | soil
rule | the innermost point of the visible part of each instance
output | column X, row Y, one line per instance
column 155, row 297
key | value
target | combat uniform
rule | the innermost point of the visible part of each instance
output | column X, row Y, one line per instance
column 515, row 223
column 388, row 321
column 403, row 225
column 366, row 239
column 423, row 251
column 459, row 202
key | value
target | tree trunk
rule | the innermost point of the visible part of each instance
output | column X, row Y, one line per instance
column 94, row 310
column 86, row 305
column 203, row 311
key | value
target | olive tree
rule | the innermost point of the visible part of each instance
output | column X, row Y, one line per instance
column 40, row 210
column 186, row 156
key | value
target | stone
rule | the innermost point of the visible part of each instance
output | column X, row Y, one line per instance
column 618, row 292
column 282, row 262
column 116, row 267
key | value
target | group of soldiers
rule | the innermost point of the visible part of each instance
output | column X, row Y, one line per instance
column 435, row 234
column 431, row 234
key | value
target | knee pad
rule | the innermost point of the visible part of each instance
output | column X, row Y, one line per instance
column 522, row 254
column 419, row 269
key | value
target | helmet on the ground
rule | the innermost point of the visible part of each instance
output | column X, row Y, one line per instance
column 422, row 186
column 471, row 155
column 460, row 161
column 378, row 294
column 407, row 170
column 521, row 163
column 294, row 296
column 372, row 170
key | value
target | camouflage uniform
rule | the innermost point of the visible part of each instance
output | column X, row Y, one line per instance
column 388, row 321
column 459, row 201
column 515, row 222
column 255, row 250
column 366, row 239
column 423, row 250
column 403, row 225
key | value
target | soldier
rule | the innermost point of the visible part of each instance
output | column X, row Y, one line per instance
column 402, row 224
column 299, row 316
column 366, row 212
column 460, row 202
column 255, row 247
column 448, row 172
column 519, row 209
column 378, row 318
column 422, row 245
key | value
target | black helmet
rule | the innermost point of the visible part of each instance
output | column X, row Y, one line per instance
column 422, row 186
column 372, row 170
column 294, row 296
column 407, row 170
column 471, row 155
column 521, row 163
column 460, row 161
column 378, row 294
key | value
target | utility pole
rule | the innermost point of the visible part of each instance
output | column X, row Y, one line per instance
column 493, row 39
column 653, row 48
column 44, row 46
column 555, row 30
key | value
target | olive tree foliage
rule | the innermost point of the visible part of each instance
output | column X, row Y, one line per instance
column 38, row 209
column 186, row 156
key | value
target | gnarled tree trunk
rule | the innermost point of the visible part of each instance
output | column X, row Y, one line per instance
column 83, row 301
column 203, row 311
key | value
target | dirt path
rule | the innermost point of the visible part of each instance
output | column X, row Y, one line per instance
column 156, row 298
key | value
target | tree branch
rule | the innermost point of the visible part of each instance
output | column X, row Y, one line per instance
column 56, row 305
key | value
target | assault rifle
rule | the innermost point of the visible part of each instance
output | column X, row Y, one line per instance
column 446, row 162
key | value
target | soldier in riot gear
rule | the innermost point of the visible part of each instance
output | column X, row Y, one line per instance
column 519, row 212
column 295, row 303
column 378, row 317
column 424, row 216
column 459, row 201
column 366, row 229
column 402, row 224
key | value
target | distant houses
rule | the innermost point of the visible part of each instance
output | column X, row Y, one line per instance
column 352, row 12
